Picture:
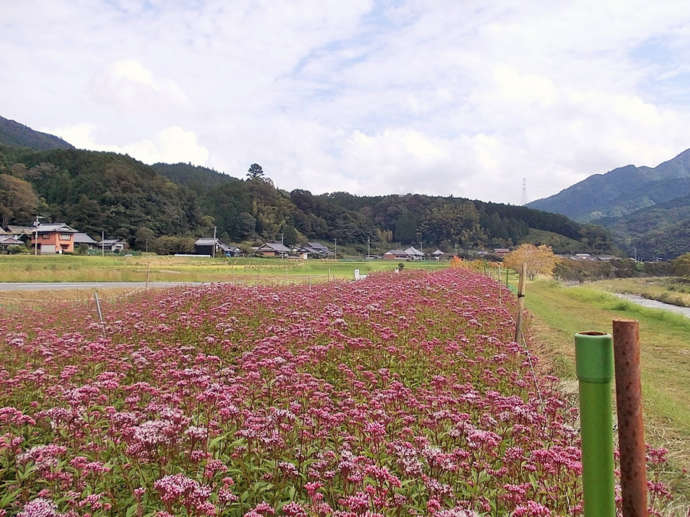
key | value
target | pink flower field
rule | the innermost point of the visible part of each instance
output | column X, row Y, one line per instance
column 397, row 395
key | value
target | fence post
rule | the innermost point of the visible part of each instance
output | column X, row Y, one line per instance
column 100, row 313
column 626, row 350
column 594, row 366
column 521, row 302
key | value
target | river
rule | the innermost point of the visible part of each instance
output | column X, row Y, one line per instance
column 654, row 304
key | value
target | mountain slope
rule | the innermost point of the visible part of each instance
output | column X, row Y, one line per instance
column 659, row 231
column 18, row 135
column 98, row 191
column 621, row 191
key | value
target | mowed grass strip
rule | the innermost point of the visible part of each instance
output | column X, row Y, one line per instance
column 559, row 312
column 56, row 268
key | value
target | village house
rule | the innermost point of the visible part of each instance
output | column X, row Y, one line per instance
column 205, row 246
column 272, row 249
column 8, row 241
column 414, row 254
column 52, row 238
column 315, row 250
column 395, row 255
column 112, row 245
column 82, row 239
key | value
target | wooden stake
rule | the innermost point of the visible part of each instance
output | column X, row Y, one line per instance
column 521, row 301
column 100, row 313
column 626, row 349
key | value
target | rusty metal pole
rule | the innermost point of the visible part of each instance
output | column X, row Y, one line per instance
column 626, row 349
column 521, row 302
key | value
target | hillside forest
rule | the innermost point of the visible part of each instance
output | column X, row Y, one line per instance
column 99, row 191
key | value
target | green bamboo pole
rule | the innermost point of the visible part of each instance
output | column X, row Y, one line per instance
column 594, row 365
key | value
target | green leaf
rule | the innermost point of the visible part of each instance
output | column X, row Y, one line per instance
column 8, row 498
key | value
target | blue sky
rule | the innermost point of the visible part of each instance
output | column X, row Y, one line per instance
column 438, row 97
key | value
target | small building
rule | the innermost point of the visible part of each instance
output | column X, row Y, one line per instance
column 205, row 246
column 272, row 249
column 53, row 238
column 438, row 254
column 8, row 241
column 314, row 250
column 501, row 252
column 112, row 245
column 414, row 254
column 395, row 255
column 582, row 256
column 82, row 239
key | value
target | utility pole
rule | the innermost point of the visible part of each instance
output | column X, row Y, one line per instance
column 336, row 249
column 368, row 246
column 214, row 242
column 281, row 239
column 36, row 223
column 102, row 244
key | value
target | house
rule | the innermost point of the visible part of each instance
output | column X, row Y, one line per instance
column 205, row 246
column 316, row 250
column 112, row 245
column 7, row 241
column 272, row 249
column 414, row 254
column 438, row 254
column 395, row 255
column 501, row 252
column 53, row 238
column 82, row 239
column 582, row 256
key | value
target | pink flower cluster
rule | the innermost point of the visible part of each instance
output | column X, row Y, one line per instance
column 397, row 395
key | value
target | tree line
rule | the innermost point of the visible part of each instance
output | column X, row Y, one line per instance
column 98, row 191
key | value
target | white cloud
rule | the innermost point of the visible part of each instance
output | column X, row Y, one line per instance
column 171, row 144
column 128, row 84
column 366, row 96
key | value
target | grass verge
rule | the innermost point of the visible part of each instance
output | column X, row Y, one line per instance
column 559, row 312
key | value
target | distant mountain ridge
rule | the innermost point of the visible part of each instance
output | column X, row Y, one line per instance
column 621, row 191
column 14, row 134
column 647, row 209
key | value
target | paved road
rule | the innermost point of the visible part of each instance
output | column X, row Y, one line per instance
column 45, row 286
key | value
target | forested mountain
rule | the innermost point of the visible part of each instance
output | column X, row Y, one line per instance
column 646, row 208
column 244, row 209
column 621, row 191
column 96, row 191
column 16, row 134
column 661, row 230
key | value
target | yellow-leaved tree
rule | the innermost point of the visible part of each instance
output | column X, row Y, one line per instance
column 540, row 260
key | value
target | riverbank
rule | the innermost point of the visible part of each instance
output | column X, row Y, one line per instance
column 666, row 289
column 558, row 312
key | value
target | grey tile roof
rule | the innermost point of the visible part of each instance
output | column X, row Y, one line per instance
column 82, row 238
column 54, row 227
column 275, row 246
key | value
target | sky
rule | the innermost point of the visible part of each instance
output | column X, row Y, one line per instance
column 462, row 98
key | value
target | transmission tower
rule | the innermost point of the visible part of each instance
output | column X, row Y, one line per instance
column 524, row 191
